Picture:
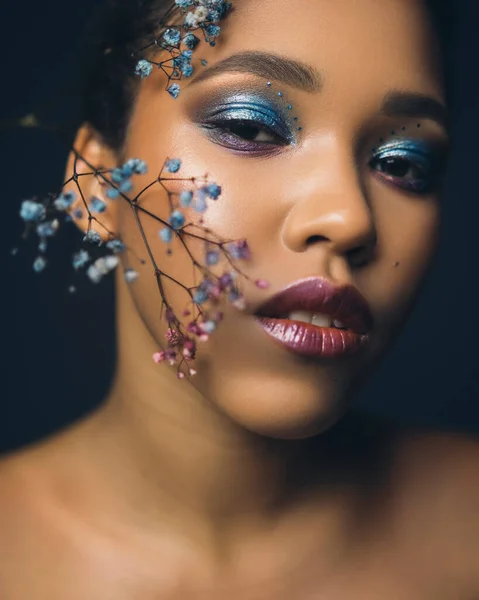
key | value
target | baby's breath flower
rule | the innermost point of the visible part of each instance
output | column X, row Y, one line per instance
column 39, row 264
column 32, row 211
column 131, row 275
column 185, row 198
column 174, row 90
column 213, row 191
column 116, row 246
column 64, row 201
column 94, row 273
column 159, row 357
column 165, row 234
column 93, row 237
column 213, row 31
column 212, row 257
column 184, row 3
column 48, row 228
column 125, row 186
column 97, row 205
column 112, row 193
column 143, row 68
column 80, row 259
column 177, row 219
column 200, row 296
column 191, row 41
column 172, row 36
column 173, row 165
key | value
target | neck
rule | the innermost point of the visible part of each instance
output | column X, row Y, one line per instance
column 166, row 450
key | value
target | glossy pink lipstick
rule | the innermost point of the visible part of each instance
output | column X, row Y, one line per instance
column 317, row 295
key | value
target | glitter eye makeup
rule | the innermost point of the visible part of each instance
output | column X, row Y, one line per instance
column 414, row 165
column 248, row 123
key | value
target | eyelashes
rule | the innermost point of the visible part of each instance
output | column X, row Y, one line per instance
column 411, row 165
column 248, row 127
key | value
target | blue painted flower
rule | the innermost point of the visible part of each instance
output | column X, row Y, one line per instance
column 94, row 273
column 213, row 31
column 212, row 257
column 117, row 176
column 80, row 259
column 176, row 219
column 173, row 165
column 200, row 205
column 143, row 68
column 93, row 237
column 64, row 201
column 174, row 90
column 39, row 264
column 116, row 246
column 126, row 186
column 200, row 296
column 184, row 3
column 187, row 70
column 97, row 205
column 213, row 191
column 185, row 198
column 165, row 234
column 191, row 41
column 48, row 228
column 112, row 193
column 32, row 211
column 172, row 36
column 137, row 166
column 131, row 275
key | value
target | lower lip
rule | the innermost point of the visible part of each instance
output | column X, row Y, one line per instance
column 307, row 339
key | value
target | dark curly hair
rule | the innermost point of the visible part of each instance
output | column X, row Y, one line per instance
column 121, row 27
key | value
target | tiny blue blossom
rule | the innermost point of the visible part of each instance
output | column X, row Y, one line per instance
column 213, row 191
column 184, row 3
column 131, row 275
column 187, row 70
column 97, row 205
column 212, row 257
column 64, row 201
column 213, row 30
column 117, row 176
column 208, row 326
column 42, row 246
column 126, row 186
column 32, row 211
column 93, row 237
column 112, row 193
column 78, row 213
column 200, row 296
column 165, row 234
column 94, row 273
column 143, row 68
column 174, row 90
column 172, row 36
column 80, row 259
column 126, row 170
column 137, row 165
column 173, row 165
column 200, row 205
column 39, row 264
column 176, row 219
column 48, row 228
column 185, row 198
column 191, row 41
column 116, row 246
column 111, row 262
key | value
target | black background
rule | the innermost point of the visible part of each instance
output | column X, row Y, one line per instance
column 58, row 348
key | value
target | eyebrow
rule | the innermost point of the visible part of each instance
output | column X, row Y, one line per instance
column 298, row 74
column 412, row 104
column 264, row 64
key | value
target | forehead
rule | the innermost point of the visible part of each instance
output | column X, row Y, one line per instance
column 374, row 45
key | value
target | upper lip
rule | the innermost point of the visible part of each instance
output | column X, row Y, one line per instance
column 318, row 295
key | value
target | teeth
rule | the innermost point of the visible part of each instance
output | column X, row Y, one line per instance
column 318, row 319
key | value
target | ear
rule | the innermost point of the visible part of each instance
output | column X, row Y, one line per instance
column 90, row 154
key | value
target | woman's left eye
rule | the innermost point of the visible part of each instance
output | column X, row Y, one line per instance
column 413, row 170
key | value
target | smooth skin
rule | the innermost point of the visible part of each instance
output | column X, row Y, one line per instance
column 248, row 482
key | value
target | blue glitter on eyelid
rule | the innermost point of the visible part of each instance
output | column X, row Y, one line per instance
column 416, row 149
column 257, row 111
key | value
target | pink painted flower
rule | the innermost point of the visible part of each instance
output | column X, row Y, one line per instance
column 159, row 357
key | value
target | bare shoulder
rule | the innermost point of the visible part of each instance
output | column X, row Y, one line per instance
column 436, row 499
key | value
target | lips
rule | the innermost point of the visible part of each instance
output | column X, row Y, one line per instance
column 317, row 294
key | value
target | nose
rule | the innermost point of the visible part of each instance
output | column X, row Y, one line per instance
column 332, row 208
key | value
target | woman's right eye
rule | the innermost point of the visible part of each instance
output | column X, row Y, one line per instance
column 248, row 129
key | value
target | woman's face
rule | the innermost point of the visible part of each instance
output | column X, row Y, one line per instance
column 309, row 201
